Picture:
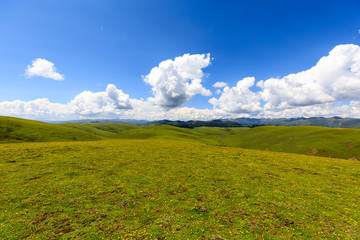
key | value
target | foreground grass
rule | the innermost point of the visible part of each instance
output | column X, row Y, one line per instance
column 161, row 189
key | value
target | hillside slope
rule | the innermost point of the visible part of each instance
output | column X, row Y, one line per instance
column 168, row 132
column 310, row 140
column 22, row 130
column 103, row 129
column 319, row 141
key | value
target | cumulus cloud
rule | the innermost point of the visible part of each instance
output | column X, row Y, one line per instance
column 351, row 110
column 108, row 104
column 317, row 91
column 220, row 85
column 239, row 99
column 174, row 82
column 43, row 68
column 335, row 77
column 40, row 108
column 89, row 103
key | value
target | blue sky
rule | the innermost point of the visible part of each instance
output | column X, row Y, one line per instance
column 96, row 43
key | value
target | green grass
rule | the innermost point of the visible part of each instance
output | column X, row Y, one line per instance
column 320, row 141
column 168, row 132
column 103, row 129
column 163, row 189
column 21, row 130
column 309, row 140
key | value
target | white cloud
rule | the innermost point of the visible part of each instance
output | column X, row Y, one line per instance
column 239, row 99
column 351, row 110
column 314, row 92
column 174, row 82
column 108, row 102
column 220, row 85
column 335, row 77
column 43, row 68
column 40, row 108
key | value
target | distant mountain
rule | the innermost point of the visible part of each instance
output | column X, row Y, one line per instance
column 334, row 122
column 103, row 120
column 194, row 123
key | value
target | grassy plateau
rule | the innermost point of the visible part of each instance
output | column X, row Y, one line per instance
column 164, row 182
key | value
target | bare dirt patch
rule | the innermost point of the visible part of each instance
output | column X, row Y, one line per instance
column 313, row 151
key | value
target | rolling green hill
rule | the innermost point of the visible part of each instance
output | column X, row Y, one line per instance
column 319, row 141
column 103, row 129
column 167, row 132
column 21, row 130
column 310, row 140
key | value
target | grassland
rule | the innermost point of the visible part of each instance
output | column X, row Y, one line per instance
column 103, row 129
column 163, row 189
column 163, row 182
column 21, row 130
column 309, row 140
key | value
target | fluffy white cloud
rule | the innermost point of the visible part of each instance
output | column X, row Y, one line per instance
column 146, row 110
column 335, row 77
column 220, row 85
column 40, row 108
column 175, row 81
column 43, row 68
column 239, row 99
column 108, row 102
column 314, row 92
column 351, row 110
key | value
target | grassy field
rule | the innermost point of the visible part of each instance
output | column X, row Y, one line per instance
column 103, row 129
column 310, row 140
column 163, row 189
column 22, row 130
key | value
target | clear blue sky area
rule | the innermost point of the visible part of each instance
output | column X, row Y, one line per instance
column 96, row 43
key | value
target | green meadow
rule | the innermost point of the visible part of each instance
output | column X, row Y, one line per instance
column 127, row 181
column 21, row 130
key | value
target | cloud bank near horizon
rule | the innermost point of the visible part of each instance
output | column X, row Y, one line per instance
column 330, row 88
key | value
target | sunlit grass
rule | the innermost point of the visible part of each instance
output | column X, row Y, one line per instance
column 22, row 130
column 309, row 140
column 163, row 189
